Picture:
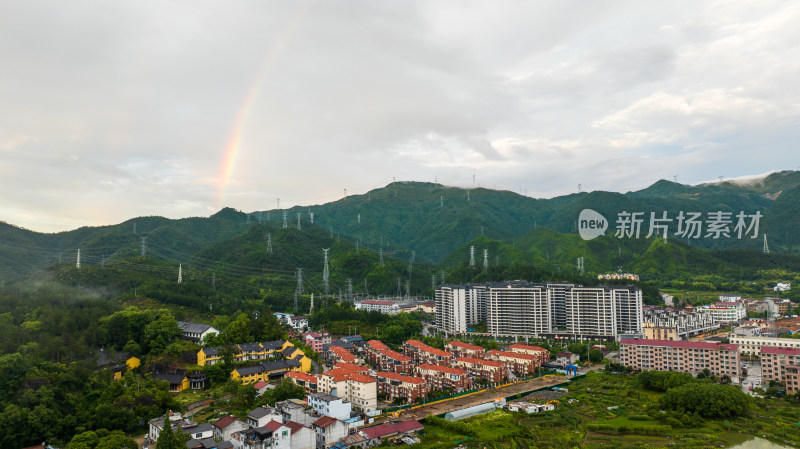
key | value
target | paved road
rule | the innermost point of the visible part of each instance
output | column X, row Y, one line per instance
column 753, row 373
column 480, row 398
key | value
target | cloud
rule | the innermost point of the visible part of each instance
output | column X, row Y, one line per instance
column 112, row 110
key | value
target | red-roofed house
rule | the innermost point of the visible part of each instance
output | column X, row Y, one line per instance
column 329, row 431
column 687, row 356
column 359, row 389
column 490, row 371
column 444, row 377
column 396, row 385
column 461, row 349
column 388, row 360
column 308, row 381
column 377, row 434
column 315, row 340
column 542, row 354
column 519, row 363
column 775, row 361
column 303, row 437
column 337, row 354
column 225, row 427
column 421, row 353
column 351, row 367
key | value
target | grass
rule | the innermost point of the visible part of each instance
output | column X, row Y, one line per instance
column 636, row 423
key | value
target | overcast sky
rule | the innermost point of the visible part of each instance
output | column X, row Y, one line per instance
column 111, row 110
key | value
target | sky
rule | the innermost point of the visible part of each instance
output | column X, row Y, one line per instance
column 112, row 110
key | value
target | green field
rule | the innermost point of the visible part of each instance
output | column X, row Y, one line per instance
column 582, row 419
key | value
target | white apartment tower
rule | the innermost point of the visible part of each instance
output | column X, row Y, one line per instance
column 460, row 306
column 519, row 308
column 604, row 310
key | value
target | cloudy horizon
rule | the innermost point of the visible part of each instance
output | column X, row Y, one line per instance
column 113, row 110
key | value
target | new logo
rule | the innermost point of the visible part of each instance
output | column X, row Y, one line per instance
column 591, row 224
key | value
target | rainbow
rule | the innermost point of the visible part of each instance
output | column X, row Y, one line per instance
column 234, row 145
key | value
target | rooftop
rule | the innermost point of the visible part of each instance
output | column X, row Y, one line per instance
column 483, row 362
column 776, row 350
column 401, row 377
column 679, row 344
column 442, row 369
column 463, row 345
column 513, row 355
column 527, row 347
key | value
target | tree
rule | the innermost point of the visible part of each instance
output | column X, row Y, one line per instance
column 706, row 400
column 117, row 440
column 166, row 438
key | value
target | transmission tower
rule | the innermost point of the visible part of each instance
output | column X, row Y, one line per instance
column 766, row 247
column 467, row 195
column 441, row 200
column 366, row 291
column 408, row 290
column 359, row 218
column 485, row 260
column 350, row 289
column 311, row 216
column 410, row 263
column 325, row 271
column 472, row 256
column 298, row 221
column 285, row 225
column 311, row 307
column 180, row 273
column 299, row 289
column 78, row 260
column 134, row 227
column 144, row 246
column 433, row 282
column 269, row 243
column 442, row 274
column 381, row 257
column 399, row 290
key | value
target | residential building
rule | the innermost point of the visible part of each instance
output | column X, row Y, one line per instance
column 461, row 349
column 726, row 312
column 389, row 360
column 387, row 307
column 775, row 360
column 303, row 437
column 489, row 371
column 782, row 287
column 519, row 308
column 329, row 431
column 792, row 379
column 604, row 310
column 273, row 435
column 687, row 356
column 421, row 353
column 308, row 381
column 267, row 370
column 566, row 358
column 687, row 323
column 753, row 345
column 295, row 410
column 329, row 405
column 242, row 352
column 519, row 363
column 543, row 355
column 460, row 306
column 651, row 332
column 259, row 417
column 196, row 332
column 377, row 435
column 730, row 298
column 396, row 385
column 225, row 427
column 315, row 340
column 359, row 389
column 335, row 354
column 177, row 380
column 444, row 378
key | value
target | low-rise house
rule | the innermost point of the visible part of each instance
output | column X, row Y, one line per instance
column 329, row 431
column 386, row 359
column 273, row 435
column 329, row 405
column 196, row 332
column 118, row 362
column 225, row 427
column 259, row 417
column 490, row 371
column 528, row 407
column 566, row 358
column 303, row 437
column 295, row 410
column 377, row 435
column 197, row 431
column 461, row 349
column 537, row 351
column 444, row 377
column 267, row 370
column 308, row 381
column 385, row 307
column 336, row 354
column 519, row 363
column 315, row 340
column 396, row 385
column 262, row 386
column 177, row 380
column 156, row 425
column 421, row 353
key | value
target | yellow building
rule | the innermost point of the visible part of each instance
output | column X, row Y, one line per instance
column 177, row 382
column 243, row 352
column 266, row 371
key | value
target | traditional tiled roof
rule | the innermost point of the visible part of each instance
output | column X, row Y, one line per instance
column 384, row 430
column 376, row 344
column 679, row 344
column 194, row 328
column 272, row 425
column 309, row 378
column 342, row 353
column 351, row 367
column 394, row 355
column 224, row 422
column 173, row 379
column 260, row 412
column 273, row 345
column 295, row 426
column 324, row 422
column 527, row 347
column 429, row 349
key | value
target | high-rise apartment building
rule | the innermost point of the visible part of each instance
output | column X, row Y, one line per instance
column 458, row 307
column 518, row 308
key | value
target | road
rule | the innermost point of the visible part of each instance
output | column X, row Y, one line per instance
column 753, row 373
column 479, row 398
